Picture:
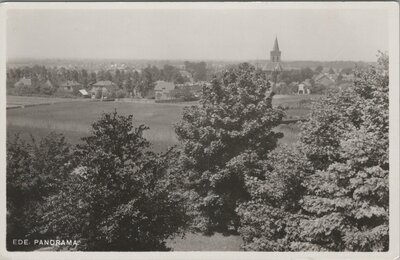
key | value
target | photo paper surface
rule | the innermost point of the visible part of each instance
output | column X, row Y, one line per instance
column 200, row 130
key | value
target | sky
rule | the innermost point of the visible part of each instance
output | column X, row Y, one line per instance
column 213, row 34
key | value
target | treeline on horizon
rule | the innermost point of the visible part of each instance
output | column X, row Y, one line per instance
column 142, row 63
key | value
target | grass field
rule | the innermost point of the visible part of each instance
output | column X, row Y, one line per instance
column 18, row 101
column 73, row 118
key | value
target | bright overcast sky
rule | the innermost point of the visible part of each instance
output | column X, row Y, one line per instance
column 197, row 34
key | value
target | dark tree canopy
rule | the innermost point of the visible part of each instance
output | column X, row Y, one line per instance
column 110, row 192
column 119, row 192
column 232, row 125
column 337, row 175
column 35, row 170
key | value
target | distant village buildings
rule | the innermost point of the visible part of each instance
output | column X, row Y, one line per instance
column 23, row 82
column 325, row 79
column 163, row 90
column 104, row 89
column 178, row 80
column 303, row 89
column 302, row 80
column 70, row 85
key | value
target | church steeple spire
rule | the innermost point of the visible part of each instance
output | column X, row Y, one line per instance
column 275, row 54
column 276, row 45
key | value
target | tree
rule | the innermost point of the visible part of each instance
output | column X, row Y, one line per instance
column 34, row 172
column 347, row 70
column 170, row 73
column 184, row 93
column 319, row 69
column 118, row 78
column 119, row 196
column 198, row 70
column 148, row 78
column 267, row 219
column 231, row 127
column 351, row 193
column 92, row 78
column 84, row 78
column 306, row 73
column 337, row 175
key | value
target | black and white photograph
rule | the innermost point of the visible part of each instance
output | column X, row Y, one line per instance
column 200, row 127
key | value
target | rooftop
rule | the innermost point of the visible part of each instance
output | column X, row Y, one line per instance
column 164, row 85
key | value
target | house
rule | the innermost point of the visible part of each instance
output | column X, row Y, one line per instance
column 84, row 93
column 70, row 85
column 186, row 74
column 104, row 89
column 304, row 89
column 163, row 90
column 23, row 82
column 325, row 79
column 348, row 77
column 196, row 89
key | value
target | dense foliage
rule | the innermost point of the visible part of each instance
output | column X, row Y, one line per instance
column 197, row 69
column 331, row 191
column 327, row 192
column 115, row 194
column 231, row 128
column 35, row 171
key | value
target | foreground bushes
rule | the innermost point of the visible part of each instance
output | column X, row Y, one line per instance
column 331, row 192
column 35, row 170
column 114, row 195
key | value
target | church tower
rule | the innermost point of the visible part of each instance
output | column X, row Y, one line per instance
column 274, row 64
column 275, row 54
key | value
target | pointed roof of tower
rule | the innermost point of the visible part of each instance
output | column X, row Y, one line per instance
column 276, row 45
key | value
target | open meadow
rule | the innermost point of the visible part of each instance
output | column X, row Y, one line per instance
column 73, row 119
column 22, row 101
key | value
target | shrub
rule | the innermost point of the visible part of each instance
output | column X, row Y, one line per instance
column 46, row 90
column 98, row 93
column 185, row 94
column 24, row 90
column 120, row 94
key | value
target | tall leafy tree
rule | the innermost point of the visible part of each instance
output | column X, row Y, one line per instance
column 231, row 127
column 350, row 195
column 119, row 196
column 331, row 192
